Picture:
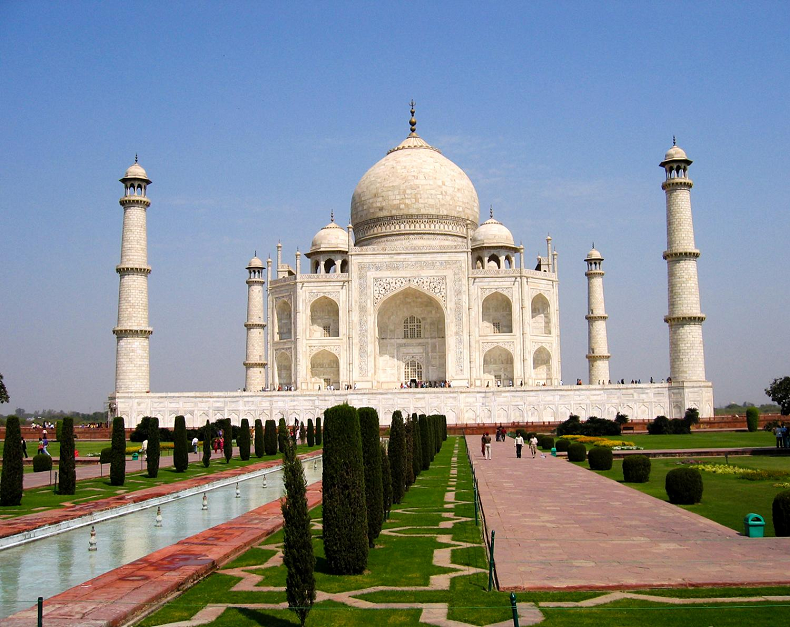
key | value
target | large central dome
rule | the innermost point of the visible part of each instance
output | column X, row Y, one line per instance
column 412, row 193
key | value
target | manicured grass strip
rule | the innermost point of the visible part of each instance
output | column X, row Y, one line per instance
column 700, row 439
column 726, row 499
column 42, row 499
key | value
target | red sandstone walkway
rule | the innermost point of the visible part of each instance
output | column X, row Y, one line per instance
column 561, row 526
column 121, row 594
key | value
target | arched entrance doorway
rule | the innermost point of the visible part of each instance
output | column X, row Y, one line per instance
column 410, row 340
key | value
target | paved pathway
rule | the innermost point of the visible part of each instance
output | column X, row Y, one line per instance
column 94, row 469
column 561, row 526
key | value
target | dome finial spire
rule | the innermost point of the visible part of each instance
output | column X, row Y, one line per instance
column 674, row 143
column 413, row 120
column 135, row 157
column 491, row 211
column 332, row 215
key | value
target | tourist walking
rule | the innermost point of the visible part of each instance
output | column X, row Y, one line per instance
column 487, row 439
column 519, row 444
column 786, row 435
column 194, row 444
column 483, row 445
column 24, row 447
column 533, row 446
column 779, row 433
column 44, row 445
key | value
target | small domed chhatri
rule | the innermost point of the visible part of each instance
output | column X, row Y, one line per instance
column 136, row 171
column 255, row 263
column 492, row 233
column 331, row 238
column 413, row 190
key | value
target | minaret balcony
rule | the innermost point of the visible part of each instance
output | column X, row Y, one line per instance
column 132, row 331
column 134, row 201
column 677, row 183
column 133, row 269
column 594, row 317
column 255, row 364
column 670, row 255
column 598, row 356
column 254, row 325
column 685, row 318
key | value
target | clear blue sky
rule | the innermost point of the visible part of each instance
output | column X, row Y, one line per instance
column 256, row 120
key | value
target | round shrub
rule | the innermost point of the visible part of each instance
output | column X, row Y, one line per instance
column 577, row 452
column 547, row 443
column 636, row 469
column 562, row 445
column 42, row 463
column 684, row 486
column 752, row 418
column 105, row 457
column 600, row 458
column 780, row 512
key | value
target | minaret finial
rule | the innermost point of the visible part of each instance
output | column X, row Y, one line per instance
column 256, row 253
column 135, row 157
column 491, row 211
column 674, row 143
column 413, row 121
column 332, row 215
column 593, row 244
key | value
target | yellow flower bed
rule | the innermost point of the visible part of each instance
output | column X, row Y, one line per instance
column 606, row 442
column 163, row 446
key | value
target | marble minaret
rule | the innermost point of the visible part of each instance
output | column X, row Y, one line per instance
column 132, row 331
column 255, row 363
column 686, row 354
column 597, row 343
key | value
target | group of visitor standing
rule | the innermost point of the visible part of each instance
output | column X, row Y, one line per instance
column 782, row 436
column 501, row 435
column 533, row 445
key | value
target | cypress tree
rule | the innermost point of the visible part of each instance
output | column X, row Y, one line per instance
column 13, row 465
column 386, row 481
column 371, row 458
column 270, row 438
column 409, row 476
column 67, row 474
column 180, row 445
column 345, row 514
column 228, row 435
column 397, row 458
column 118, row 462
column 318, row 434
column 153, row 452
column 259, row 449
column 444, row 428
column 282, row 435
column 207, row 445
column 310, row 433
column 416, row 436
column 298, row 554
column 425, row 442
column 244, row 440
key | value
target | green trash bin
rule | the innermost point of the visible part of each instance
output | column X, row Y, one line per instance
column 553, row 452
column 753, row 526
column 134, row 457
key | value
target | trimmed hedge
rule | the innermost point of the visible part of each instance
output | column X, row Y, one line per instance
column 780, row 512
column 154, row 448
column 371, row 458
column 67, row 473
column 118, row 461
column 386, row 481
column 636, row 469
column 684, row 486
column 600, row 458
column 42, row 463
column 206, row 445
column 397, row 457
column 270, row 438
column 659, row 426
column 416, row 455
column 546, row 443
column 259, row 450
column 13, row 464
column 310, row 433
column 345, row 522
column 408, row 467
column 282, row 435
column 181, row 446
column 244, row 440
column 318, row 434
column 752, row 418
column 425, row 442
column 227, row 435
column 105, row 456
column 562, row 445
column 577, row 452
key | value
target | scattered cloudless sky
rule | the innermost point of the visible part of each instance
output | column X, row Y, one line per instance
column 255, row 120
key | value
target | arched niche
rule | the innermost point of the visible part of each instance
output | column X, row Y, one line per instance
column 498, row 365
column 497, row 314
column 541, row 315
column 325, row 369
column 398, row 316
column 283, row 361
column 541, row 366
column 324, row 318
column 493, row 262
column 284, row 321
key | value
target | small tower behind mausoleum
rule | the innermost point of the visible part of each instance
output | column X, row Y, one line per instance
column 597, row 343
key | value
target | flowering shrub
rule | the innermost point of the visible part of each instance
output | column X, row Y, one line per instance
column 786, row 484
column 163, row 446
column 740, row 471
column 605, row 442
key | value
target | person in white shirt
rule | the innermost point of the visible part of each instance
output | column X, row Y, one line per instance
column 194, row 444
column 533, row 446
column 519, row 444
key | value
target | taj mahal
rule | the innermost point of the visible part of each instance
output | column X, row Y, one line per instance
column 419, row 304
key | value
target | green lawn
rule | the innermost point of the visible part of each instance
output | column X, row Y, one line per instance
column 399, row 561
column 41, row 499
column 725, row 498
column 85, row 447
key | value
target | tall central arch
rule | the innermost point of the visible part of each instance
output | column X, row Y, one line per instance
column 410, row 326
